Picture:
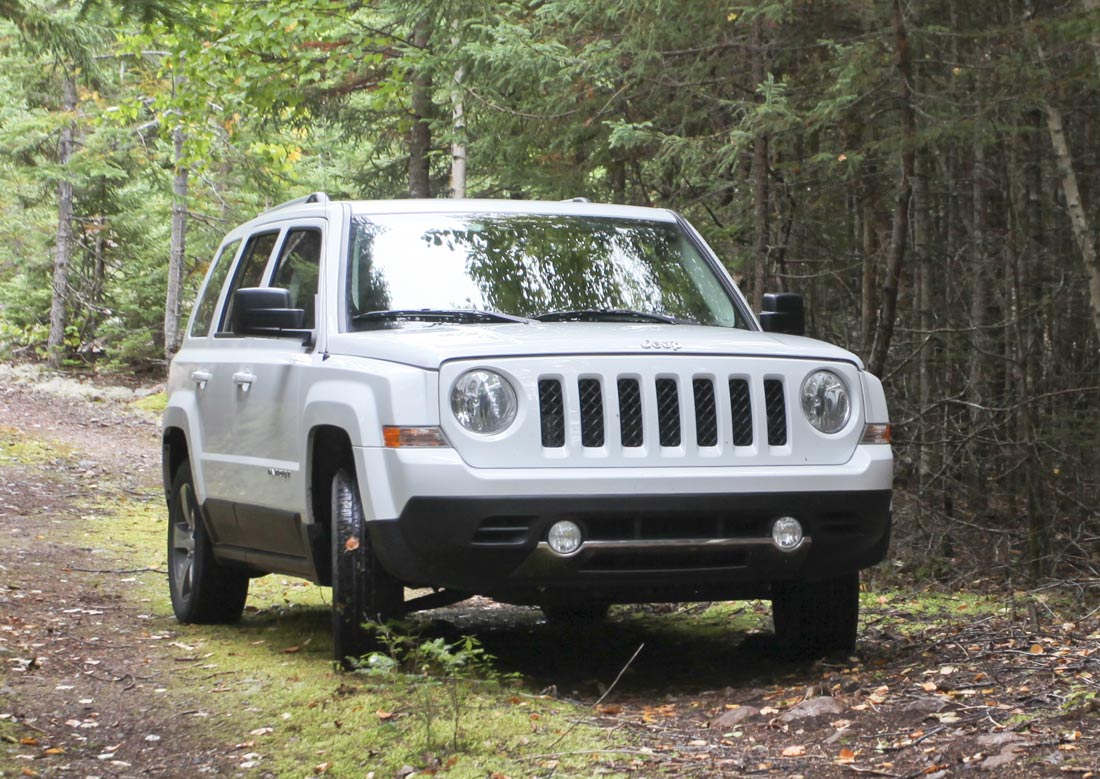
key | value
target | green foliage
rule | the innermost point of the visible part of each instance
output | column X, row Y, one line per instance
column 434, row 671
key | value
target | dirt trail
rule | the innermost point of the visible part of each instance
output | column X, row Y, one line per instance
column 84, row 671
column 84, row 679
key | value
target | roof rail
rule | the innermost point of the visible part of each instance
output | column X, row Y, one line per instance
column 576, row 200
column 315, row 197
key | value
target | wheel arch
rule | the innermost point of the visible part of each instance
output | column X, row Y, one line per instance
column 329, row 449
column 175, row 451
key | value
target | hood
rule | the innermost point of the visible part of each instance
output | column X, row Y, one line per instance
column 430, row 345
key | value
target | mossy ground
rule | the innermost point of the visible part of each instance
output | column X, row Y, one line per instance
column 295, row 714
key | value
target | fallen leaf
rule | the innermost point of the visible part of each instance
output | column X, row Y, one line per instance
column 794, row 751
column 1037, row 649
column 290, row 650
column 321, row 768
column 611, row 709
column 846, row 756
column 384, row 715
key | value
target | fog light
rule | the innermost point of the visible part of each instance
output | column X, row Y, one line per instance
column 787, row 534
column 565, row 537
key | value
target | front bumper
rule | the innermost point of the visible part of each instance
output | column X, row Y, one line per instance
column 638, row 548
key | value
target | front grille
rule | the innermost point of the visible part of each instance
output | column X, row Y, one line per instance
column 777, row 412
column 591, row 412
column 649, row 412
column 668, row 412
column 630, row 413
column 552, row 412
column 740, row 412
column 706, row 413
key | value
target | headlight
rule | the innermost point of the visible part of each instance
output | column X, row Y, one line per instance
column 483, row 402
column 825, row 401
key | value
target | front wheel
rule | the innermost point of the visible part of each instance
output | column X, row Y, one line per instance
column 817, row 619
column 202, row 591
column 361, row 590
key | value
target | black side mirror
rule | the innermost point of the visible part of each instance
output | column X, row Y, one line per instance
column 783, row 313
column 266, row 311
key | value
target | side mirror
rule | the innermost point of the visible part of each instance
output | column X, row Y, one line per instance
column 266, row 311
column 783, row 313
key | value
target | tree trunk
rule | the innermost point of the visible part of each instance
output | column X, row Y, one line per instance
column 760, row 190
column 458, row 125
column 420, row 136
column 458, row 146
column 884, row 332
column 1075, row 206
column 177, row 252
column 978, row 374
column 64, row 249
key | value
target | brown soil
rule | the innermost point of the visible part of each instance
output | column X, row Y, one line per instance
column 84, row 670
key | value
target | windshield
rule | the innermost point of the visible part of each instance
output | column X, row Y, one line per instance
column 426, row 268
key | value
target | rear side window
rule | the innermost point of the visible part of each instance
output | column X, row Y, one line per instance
column 297, row 269
column 205, row 305
column 250, row 270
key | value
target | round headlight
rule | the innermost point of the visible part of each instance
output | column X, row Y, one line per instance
column 825, row 401
column 483, row 402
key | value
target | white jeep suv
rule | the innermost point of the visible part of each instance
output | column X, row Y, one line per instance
column 561, row 404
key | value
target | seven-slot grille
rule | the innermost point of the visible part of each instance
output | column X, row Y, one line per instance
column 630, row 397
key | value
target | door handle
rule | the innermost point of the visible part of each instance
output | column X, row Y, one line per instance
column 201, row 378
column 244, row 380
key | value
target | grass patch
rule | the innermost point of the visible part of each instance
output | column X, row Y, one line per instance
column 269, row 692
column 19, row 449
column 152, row 404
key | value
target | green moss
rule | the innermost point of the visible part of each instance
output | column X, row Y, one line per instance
column 154, row 404
column 20, row 449
column 268, row 684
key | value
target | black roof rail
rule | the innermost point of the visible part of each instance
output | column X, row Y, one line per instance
column 314, row 197
column 576, row 200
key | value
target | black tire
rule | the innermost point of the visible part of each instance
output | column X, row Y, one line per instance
column 817, row 619
column 585, row 612
column 203, row 592
column 361, row 590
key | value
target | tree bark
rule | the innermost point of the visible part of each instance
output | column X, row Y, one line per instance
column 458, row 146
column 1075, row 206
column 884, row 332
column 63, row 251
column 760, row 189
column 420, row 136
column 177, row 251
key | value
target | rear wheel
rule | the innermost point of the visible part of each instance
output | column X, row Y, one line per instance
column 202, row 590
column 816, row 619
column 361, row 590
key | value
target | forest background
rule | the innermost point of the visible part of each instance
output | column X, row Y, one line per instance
column 923, row 171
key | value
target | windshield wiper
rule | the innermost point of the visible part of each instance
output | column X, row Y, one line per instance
column 605, row 314
column 460, row 315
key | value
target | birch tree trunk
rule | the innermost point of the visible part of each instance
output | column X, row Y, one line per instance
column 178, row 250
column 63, row 251
column 458, row 146
column 1075, row 206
